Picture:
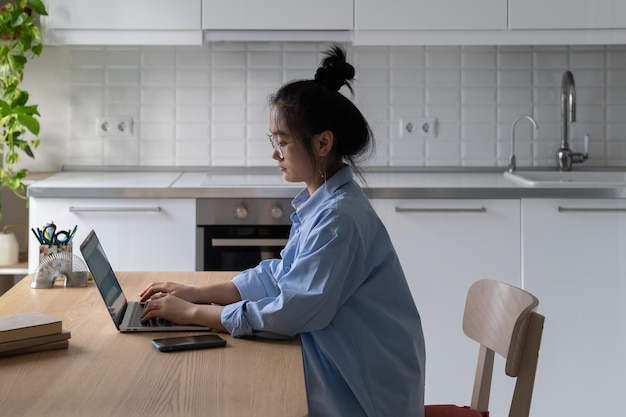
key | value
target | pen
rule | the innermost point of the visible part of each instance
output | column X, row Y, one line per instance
column 69, row 239
column 37, row 235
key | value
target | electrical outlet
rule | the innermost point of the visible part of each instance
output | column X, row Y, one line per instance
column 418, row 128
column 119, row 127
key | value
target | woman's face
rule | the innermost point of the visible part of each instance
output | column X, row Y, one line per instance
column 296, row 165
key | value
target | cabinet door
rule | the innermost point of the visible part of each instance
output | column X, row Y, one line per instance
column 567, row 14
column 137, row 234
column 574, row 263
column 123, row 22
column 430, row 14
column 445, row 246
column 124, row 14
column 278, row 15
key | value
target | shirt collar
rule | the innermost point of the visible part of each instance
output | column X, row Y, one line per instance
column 330, row 186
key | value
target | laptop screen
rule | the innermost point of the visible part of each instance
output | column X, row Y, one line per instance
column 104, row 277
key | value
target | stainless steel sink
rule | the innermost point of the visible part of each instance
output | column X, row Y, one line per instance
column 568, row 178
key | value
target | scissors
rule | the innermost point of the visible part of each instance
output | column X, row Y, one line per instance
column 51, row 237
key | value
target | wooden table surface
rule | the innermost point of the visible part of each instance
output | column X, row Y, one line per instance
column 107, row 373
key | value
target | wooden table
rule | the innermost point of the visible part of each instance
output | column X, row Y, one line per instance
column 106, row 373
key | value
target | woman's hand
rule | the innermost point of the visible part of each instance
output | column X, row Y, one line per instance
column 222, row 293
column 188, row 304
column 184, row 292
column 170, row 307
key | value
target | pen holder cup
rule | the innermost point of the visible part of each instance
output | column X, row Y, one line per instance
column 47, row 250
column 60, row 264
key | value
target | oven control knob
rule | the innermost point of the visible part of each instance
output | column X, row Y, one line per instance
column 277, row 212
column 241, row 212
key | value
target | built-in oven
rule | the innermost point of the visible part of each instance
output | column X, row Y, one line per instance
column 235, row 234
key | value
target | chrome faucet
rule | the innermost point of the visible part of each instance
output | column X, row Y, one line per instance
column 564, row 156
column 512, row 162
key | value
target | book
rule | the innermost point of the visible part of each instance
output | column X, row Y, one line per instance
column 63, row 344
column 34, row 341
column 27, row 325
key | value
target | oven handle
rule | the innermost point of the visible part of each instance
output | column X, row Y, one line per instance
column 248, row 242
column 73, row 209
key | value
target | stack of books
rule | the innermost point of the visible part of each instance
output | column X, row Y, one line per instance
column 31, row 332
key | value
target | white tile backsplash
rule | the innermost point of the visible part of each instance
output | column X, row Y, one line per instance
column 193, row 153
column 154, row 57
column 157, row 153
column 480, row 113
column 478, row 96
column 515, row 58
column 207, row 106
column 122, row 57
column 156, row 131
column 443, row 57
column 122, row 76
column 479, row 58
column 193, row 58
column 404, row 151
column 121, row 151
column 158, row 77
column 443, row 153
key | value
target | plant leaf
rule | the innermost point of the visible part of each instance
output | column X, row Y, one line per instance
column 29, row 122
column 27, row 110
column 37, row 6
column 4, row 108
column 12, row 158
column 18, row 20
column 37, row 49
column 29, row 151
column 21, row 98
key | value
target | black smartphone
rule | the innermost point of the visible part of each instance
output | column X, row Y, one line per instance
column 173, row 344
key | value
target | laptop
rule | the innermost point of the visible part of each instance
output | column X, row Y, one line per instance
column 126, row 315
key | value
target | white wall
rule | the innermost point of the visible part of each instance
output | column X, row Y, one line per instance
column 206, row 106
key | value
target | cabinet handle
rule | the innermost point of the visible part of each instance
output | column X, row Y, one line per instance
column 592, row 210
column 440, row 210
column 248, row 242
column 113, row 209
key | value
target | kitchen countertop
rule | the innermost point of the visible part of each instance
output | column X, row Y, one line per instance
column 268, row 183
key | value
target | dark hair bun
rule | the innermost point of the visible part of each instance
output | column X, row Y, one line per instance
column 334, row 71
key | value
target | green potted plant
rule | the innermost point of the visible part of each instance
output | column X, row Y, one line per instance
column 20, row 40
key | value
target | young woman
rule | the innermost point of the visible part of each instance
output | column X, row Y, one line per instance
column 339, row 284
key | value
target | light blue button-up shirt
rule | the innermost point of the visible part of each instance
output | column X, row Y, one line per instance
column 340, row 286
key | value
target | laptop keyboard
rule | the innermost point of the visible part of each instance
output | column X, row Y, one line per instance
column 135, row 319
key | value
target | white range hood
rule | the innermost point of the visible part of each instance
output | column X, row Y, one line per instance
column 342, row 36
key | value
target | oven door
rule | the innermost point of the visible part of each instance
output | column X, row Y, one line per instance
column 235, row 248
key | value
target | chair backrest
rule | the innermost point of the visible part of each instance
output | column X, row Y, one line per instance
column 502, row 319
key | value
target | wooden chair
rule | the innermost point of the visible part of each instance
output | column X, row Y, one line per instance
column 502, row 319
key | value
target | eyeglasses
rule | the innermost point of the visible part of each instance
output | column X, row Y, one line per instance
column 278, row 146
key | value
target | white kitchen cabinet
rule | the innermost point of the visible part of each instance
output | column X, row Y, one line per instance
column 163, row 22
column 430, row 14
column 278, row 15
column 137, row 234
column 489, row 22
column 127, row 22
column 445, row 246
column 575, row 263
column 567, row 14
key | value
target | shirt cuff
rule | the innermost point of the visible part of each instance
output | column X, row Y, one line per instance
column 234, row 319
column 249, row 285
